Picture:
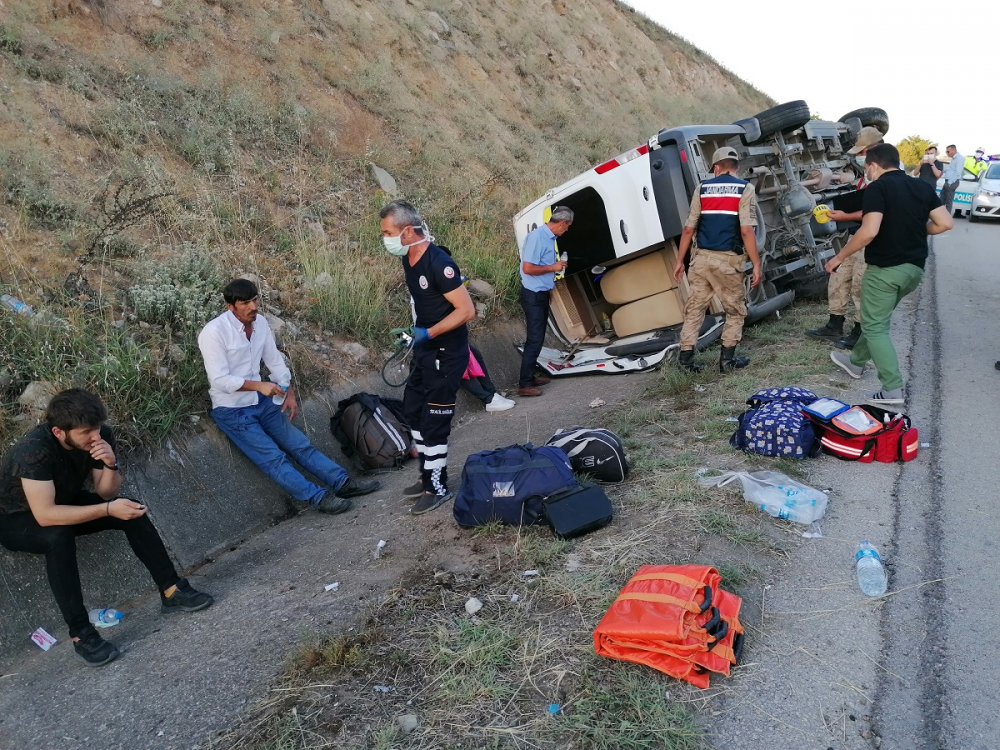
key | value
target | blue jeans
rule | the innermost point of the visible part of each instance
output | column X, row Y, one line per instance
column 536, row 316
column 266, row 435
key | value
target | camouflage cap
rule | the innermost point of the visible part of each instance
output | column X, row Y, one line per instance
column 726, row 152
column 867, row 137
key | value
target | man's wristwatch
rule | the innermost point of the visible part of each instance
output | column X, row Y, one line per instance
column 112, row 468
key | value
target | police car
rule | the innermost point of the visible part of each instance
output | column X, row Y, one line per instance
column 618, row 309
column 986, row 200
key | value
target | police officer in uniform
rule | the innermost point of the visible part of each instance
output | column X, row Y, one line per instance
column 724, row 216
column 440, row 346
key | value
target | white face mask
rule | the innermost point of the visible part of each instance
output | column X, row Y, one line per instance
column 395, row 244
column 860, row 159
column 869, row 176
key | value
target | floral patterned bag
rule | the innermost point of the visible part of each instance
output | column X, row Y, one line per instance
column 774, row 425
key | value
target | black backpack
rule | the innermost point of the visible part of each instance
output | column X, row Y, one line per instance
column 371, row 431
column 596, row 451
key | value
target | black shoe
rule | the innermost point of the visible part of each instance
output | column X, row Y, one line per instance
column 333, row 505
column 850, row 339
column 686, row 361
column 428, row 502
column 414, row 490
column 354, row 488
column 832, row 331
column 996, row 365
column 729, row 361
column 185, row 599
column 93, row 650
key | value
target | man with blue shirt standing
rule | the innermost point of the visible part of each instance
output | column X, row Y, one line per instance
column 539, row 266
column 952, row 176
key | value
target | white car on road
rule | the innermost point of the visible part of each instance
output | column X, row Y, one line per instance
column 986, row 199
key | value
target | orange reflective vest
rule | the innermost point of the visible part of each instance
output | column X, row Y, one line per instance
column 676, row 619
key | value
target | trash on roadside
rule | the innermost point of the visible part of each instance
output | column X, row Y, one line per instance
column 473, row 605
column 529, row 573
column 383, row 689
column 733, row 419
column 925, row 445
column 872, row 578
column 554, row 709
column 597, row 402
column 379, row 548
column 332, row 586
column 774, row 493
column 43, row 639
column 104, row 617
column 676, row 619
column 815, row 532
column 700, row 388
column 514, row 597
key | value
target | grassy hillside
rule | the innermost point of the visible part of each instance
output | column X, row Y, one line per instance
column 150, row 150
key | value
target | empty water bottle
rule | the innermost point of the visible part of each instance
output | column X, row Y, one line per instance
column 563, row 258
column 871, row 573
column 284, row 383
column 15, row 305
column 105, row 618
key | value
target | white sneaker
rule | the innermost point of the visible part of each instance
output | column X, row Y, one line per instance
column 499, row 403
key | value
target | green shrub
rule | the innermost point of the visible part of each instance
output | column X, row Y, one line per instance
column 183, row 293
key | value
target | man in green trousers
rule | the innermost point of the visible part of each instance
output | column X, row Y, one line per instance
column 898, row 215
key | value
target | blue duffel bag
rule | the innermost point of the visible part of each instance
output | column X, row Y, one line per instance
column 508, row 484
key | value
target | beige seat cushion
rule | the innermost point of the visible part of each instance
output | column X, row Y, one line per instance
column 658, row 311
column 642, row 277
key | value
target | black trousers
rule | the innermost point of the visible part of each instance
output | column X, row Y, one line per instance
column 429, row 404
column 536, row 316
column 482, row 388
column 20, row 532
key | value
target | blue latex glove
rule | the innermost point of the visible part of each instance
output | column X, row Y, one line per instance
column 419, row 335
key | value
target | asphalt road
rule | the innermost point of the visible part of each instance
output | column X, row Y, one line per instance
column 939, row 687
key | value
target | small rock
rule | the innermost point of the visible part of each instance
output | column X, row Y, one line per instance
column 275, row 38
column 386, row 182
column 407, row 723
column 577, row 84
column 195, row 419
column 573, row 563
column 473, row 605
column 276, row 324
column 143, row 325
column 356, row 351
column 481, row 309
column 156, row 3
column 176, row 353
column 437, row 23
column 162, row 372
column 323, row 279
column 482, row 289
column 37, row 395
column 251, row 277
column 560, row 7
column 597, row 402
column 316, row 228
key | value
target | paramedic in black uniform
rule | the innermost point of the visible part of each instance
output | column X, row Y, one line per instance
column 440, row 346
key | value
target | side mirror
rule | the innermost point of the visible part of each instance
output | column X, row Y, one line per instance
column 751, row 126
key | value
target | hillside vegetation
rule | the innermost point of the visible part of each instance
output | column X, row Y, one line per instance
column 151, row 150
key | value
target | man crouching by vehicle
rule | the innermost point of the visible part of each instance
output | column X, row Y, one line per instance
column 724, row 215
column 440, row 346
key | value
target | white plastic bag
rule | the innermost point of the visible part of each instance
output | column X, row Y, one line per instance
column 774, row 493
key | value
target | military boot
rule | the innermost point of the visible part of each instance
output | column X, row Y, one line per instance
column 686, row 361
column 832, row 331
column 729, row 361
column 850, row 339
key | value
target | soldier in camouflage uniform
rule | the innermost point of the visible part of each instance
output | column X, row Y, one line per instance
column 723, row 216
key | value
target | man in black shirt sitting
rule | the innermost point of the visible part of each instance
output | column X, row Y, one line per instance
column 440, row 346
column 44, row 507
column 898, row 215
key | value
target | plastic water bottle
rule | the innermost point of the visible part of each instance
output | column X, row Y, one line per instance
column 15, row 305
column 871, row 573
column 284, row 383
column 564, row 257
column 105, row 618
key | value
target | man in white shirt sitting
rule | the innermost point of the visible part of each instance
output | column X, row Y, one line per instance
column 243, row 405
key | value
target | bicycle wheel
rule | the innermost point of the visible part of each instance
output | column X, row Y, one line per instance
column 396, row 370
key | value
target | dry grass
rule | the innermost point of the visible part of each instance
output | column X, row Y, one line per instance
column 488, row 680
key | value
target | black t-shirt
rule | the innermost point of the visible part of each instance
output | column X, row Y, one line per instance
column 433, row 276
column 38, row 455
column 905, row 205
column 927, row 175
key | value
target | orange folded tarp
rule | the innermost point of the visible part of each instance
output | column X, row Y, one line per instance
column 676, row 619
